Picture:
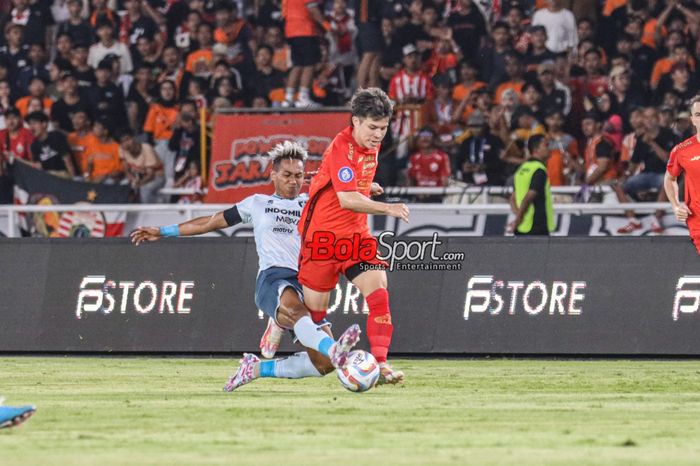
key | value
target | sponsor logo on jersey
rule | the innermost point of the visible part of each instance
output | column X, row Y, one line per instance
column 345, row 174
column 697, row 157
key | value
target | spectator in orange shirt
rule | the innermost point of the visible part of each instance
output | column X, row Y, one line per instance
column 563, row 165
column 514, row 71
column 444, row 58
column 236, row 34
column 679, row 54
column 600, row 156
column 159, row 126
column 468, row 82
column 199, row 62
column 79, row 140
column 37, row 89
column 303, row 26
column 102, row 153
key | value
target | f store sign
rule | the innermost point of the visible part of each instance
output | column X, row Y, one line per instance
column 487, row 294
column 687, row 299
column 99, row 295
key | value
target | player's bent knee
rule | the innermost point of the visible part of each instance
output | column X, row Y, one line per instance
column 292, row 314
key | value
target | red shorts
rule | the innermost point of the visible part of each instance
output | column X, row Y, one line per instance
column 323, row 275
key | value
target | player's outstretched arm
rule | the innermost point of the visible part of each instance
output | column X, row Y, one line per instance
column 356, row 202
column 196, row 226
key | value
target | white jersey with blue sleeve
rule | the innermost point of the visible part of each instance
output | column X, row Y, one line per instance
column 274, row 221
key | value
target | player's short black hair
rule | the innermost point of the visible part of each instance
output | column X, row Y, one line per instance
column 533, row 142
column 287, row 150
column 371, row 103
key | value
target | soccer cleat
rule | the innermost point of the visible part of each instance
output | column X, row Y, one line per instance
column 244, row 374
column 11, row 416
column 270, row 341
column 387, row 375
column 630, row 227
column 339, row 351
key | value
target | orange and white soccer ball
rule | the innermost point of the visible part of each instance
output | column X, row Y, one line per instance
column 361, row 373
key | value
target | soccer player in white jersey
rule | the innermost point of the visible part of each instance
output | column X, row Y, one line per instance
column 277, row 291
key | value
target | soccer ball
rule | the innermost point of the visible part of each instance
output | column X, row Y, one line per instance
column 361, row 373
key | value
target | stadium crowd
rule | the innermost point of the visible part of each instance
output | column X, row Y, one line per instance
column 110, row 90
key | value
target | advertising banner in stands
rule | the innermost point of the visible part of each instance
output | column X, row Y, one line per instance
column 38, row 187
column 239, row 166
column 575, row 296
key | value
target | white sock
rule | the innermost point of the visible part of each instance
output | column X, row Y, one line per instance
column 304, row 94
column 289, row 94
column 296, row 366
column 311, row 336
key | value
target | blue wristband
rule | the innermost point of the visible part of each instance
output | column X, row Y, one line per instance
column 170, row 230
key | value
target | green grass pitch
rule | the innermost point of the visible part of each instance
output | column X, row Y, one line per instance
column 165, row 411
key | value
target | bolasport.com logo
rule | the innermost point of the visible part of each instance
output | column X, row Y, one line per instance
column 385, row 252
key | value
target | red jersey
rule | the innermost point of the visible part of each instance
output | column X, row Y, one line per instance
column 406, row 87
column 345, row 167
column 429, row 170
column 685, row 157
column 19, row 145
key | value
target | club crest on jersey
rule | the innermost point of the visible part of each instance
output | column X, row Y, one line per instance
column 345, row 174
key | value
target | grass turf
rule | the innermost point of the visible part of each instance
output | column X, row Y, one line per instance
column 488, row 411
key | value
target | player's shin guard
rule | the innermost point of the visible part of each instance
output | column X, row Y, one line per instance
column 379, row 327
column 311, row 336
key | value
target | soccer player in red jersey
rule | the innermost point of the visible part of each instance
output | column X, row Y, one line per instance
column 337, row 208
column 685, row 157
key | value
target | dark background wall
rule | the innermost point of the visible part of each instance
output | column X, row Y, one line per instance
column 603, row 296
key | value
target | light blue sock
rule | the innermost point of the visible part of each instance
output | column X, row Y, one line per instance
column 267, row 368
column 311, row 336
column 296, row 366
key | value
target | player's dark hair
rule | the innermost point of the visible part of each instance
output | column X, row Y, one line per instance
column 371, row 103
column 287, row 150
column 693, row 101
column 533, row 142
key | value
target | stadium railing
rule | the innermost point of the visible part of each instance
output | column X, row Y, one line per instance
column 13, row 211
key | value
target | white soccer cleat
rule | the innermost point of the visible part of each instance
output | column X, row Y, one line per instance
column 270, row 341
column 338, row 353
column 387, row 375
column 245, row 373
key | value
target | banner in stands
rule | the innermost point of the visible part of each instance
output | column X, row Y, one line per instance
column 38, row 187
column 239, row 166
column 608, row 296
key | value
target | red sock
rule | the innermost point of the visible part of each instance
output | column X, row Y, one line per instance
column 379, row 328
column 317, row 316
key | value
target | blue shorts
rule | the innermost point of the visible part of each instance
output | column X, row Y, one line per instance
column 270, row 285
